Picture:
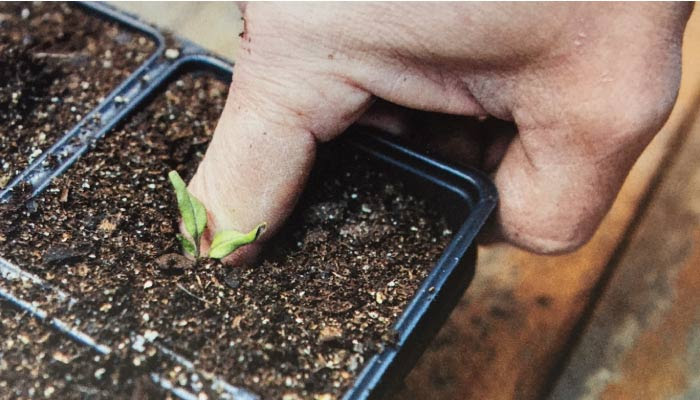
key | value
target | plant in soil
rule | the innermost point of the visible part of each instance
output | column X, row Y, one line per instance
column 194, row 218
column 300, row 323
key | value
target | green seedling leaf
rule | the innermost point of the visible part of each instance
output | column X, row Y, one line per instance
column 192, row 211
column 226, row 242
column 187, row 245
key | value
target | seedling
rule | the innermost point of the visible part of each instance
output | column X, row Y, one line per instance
column 194, row 216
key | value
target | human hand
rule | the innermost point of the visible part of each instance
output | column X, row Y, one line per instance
column 587, row 85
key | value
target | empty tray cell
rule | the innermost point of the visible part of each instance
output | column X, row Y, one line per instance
column 38, row 362
column 56, row 63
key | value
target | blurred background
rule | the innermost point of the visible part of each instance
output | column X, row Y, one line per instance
column 618, row 319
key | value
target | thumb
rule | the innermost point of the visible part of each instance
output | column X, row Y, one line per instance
column 264, row 144
column 556, row 181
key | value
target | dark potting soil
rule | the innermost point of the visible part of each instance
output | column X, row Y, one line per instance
column 56, row 62
column 38, row 362
column 299, row 324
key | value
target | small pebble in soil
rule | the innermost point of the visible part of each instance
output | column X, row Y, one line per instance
column 232, row 281
column 174, row 261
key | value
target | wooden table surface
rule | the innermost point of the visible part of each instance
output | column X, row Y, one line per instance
column 618, row 319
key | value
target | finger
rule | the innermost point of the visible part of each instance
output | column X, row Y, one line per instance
column 557, row 183
column 264, row 144
column 579, row 134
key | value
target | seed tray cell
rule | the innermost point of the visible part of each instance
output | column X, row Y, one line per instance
column 58, row 62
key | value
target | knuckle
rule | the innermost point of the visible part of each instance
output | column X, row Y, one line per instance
column 553, row 243
column 645, row 109
column 643, row 97
column 554, row 218
column 559, row 234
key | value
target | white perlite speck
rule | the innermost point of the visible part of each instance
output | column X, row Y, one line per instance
column 172, row 54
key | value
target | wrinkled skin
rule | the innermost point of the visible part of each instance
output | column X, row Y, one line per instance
column 587, row 85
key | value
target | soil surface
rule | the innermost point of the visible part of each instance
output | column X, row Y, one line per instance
column 56, row 63
column 38, row 362
column 299, row 324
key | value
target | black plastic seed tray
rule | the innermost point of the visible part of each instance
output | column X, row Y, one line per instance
column 466, row 197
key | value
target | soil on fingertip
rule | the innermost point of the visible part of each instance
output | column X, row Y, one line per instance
column 300, row 323
column 56, row 62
